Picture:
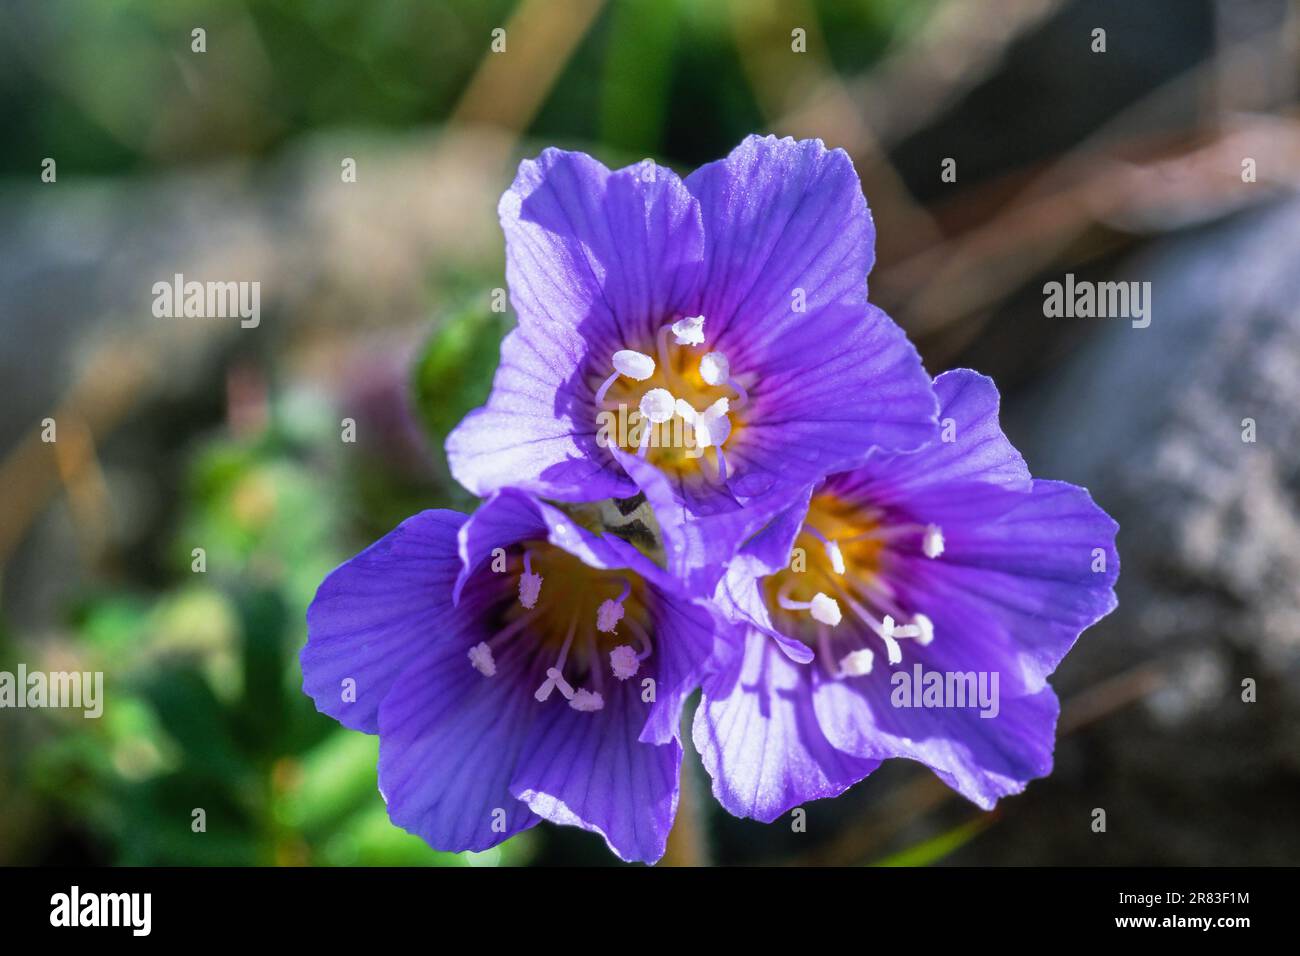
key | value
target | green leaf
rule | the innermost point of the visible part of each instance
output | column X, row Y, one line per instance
column 937, row 847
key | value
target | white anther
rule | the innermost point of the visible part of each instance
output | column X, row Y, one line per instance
column 712, row 426
column 480, row 655
column 634, row 364
column 624, row 662
column 587, row 702
column 687, row 411
column 530, row 587
column 556, row 679
column 608, row 615
column 932, row 543
column 925, row 629
column 715, row 369
column 690, row 330
column 825, row 609
column 857, row 663
column 887, row 634
column 836, row 555
column 658, row 405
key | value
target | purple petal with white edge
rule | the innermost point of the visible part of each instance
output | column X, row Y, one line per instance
column 739, row 599
column 378, row 614
column 449, row 741
column 788, row 245
column 971, row 447
column 505, row 519
column 684, row 642
column 759, row 739
column 771, row 548
column 982, row 758
column 616, row 253
column 779, row 215
column 596, row 261
column 1020, row 577
column 589, row 770
column 842, row 382
column 538, row 429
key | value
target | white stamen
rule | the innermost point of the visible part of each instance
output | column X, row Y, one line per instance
column 925, row 628
column 610, row 611
column 687, row 411
column 921, row 629
column 587, row 702
column 642, row 638
column 857, row 663
column 555, row 675
column 624, row 662
column 658, row 405
column 690, row 330
column 837, row 557
column 608, row 615
column 932, row 543
column 715, row 369
column 825, row 609
column 887, row 633
column 530, row 584
column 480, row 655
column 712, row 426
column 627, row 362
column 832, row 549
column 634, row 364
column 556, row 679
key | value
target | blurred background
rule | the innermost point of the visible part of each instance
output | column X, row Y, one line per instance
column 1126, row 164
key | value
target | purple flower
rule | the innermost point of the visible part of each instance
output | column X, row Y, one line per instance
column 729, row 310
column 912, row 607
column 516, row 667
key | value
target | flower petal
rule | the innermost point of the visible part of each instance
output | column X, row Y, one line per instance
column 840, row 383
column 596, row 261
column 1021, row 576
column 970, row 447
column 538, row 429
column 378, row 614
column 613, row 253
column 449, row 741
column 759, row 738
column 779, row 215
column 589, row 770
column 982, row 758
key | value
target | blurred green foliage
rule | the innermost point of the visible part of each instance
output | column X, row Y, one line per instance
column 653, row 77
column 207, row 710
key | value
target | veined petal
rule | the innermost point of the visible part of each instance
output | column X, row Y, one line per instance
column 378, row 614
column 612, row 254
column 589, row 770
column 538, row 429
column 970, row 447
column 1021, row 576
column 779, row 216
column 758, row 736
column 449, row 741
column 982, row 758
